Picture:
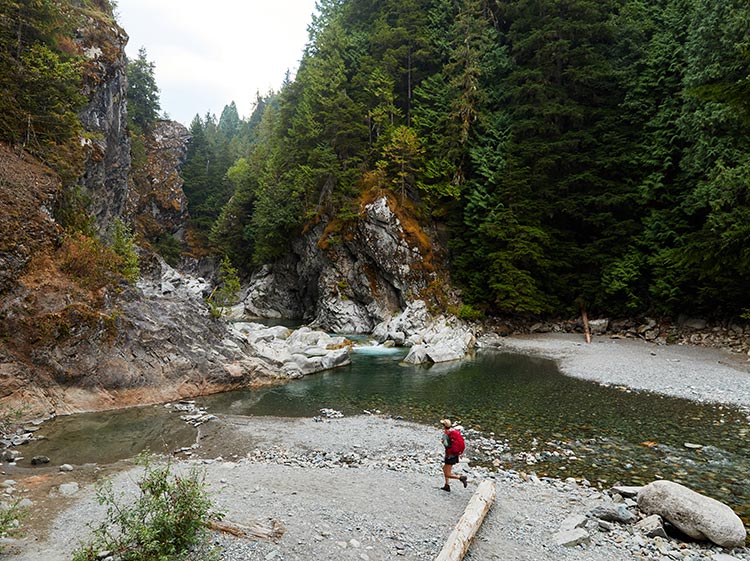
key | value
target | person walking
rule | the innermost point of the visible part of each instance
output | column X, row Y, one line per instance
column 454, row 447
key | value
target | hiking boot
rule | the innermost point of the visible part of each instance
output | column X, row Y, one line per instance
column 446, row 487
column 462, row 479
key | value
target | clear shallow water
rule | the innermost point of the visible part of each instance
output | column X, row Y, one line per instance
column 109, row 436
column 615, row 434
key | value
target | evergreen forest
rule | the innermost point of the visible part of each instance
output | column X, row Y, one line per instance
column 578, row 152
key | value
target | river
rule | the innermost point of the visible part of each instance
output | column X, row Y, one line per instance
column 553, row 424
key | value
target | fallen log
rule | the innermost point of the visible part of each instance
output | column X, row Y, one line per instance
column 462, row 535
column 271, row 531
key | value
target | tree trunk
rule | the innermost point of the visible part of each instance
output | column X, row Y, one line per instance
column 586, row 330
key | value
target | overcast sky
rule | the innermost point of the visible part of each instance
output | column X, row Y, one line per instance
column 209, row 53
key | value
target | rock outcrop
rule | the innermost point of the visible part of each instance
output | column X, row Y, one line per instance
column 148, row 344
column 432, row 340
column 296, row 353
column 696, row 515
column 349, row 277
column 107, row 143
column 156, row 201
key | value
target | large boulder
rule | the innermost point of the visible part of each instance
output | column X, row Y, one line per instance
column 432, row 339
column 696, row 515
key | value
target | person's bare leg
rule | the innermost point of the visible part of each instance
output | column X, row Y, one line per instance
column 447, row 469
column 448, row 473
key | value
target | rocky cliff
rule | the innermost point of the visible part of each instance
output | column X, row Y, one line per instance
column 156, row 201
column 106, row 143
column 73, row 337
column 349, row 277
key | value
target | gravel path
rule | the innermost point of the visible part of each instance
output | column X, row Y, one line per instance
column 366, row 488
column 696, row 373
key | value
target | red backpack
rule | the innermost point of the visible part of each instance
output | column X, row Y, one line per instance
column 458, row 445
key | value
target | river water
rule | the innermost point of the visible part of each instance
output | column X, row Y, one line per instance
column 553, row 424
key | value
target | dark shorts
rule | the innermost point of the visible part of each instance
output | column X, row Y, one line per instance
column 451, row 460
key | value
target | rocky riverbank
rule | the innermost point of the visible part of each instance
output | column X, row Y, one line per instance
column 366, row 488
column 687, row 371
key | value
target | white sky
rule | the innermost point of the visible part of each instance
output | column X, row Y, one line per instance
column 210, row 53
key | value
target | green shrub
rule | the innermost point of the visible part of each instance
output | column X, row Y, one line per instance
column 11, row 516
column 468, row 313
column 168, row 518
column 123, row 244
column 88, row 261
column 227, row 291
column 169, row 248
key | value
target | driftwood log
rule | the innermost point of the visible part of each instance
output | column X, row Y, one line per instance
column 462, row 535
column 272, row 530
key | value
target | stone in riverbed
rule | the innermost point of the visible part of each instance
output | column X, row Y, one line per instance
column 696, row 515
column 68, row 489
column 598, row 326
column 627, row 490
column 572, row 522
column 614, row 513
column 39, row 460
column 652, row 526
column 723, row 557
column 9, row 455
column 571, row 538
column 417, row 355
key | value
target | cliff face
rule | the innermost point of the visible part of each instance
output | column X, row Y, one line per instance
column 71, row 338
column 107, row 144
column 156, row 200
column 349, row 277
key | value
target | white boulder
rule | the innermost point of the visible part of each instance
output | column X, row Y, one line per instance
column 432, row 340
column 696, row 515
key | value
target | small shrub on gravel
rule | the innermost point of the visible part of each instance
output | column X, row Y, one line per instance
column 168, row 519
column 11, row 516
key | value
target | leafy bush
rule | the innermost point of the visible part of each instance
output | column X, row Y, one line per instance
column 123, row 244
column 72, row 211
column 169, row 248
column 11, row 515
column 168, row 518
column 469, row 313
column 227, row 291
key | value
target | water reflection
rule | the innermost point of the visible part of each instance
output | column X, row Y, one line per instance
column 109, row 436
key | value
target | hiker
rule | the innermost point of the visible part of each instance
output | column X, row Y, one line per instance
column 454, row 447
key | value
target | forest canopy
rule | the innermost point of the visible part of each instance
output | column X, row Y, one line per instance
column 577, row 152
column 580, row 152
